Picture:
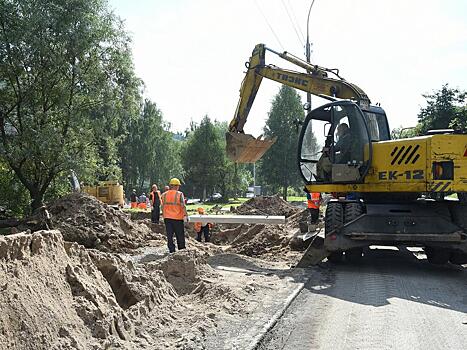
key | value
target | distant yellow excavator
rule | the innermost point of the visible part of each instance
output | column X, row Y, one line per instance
column 387, row 192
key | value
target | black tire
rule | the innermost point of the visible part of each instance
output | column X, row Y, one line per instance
column 458, row 258
column 462, row 196
column 437, row 256
column 353, row 211
column 354, row 255
column 459, row 214
column 334, row 220
column 334, row 217
column 335, row 257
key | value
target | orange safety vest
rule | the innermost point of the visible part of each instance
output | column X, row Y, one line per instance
column 315, row 200
column 172, row 205
column 151, row 196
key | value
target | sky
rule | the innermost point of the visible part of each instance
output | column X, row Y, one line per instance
column 191, row 54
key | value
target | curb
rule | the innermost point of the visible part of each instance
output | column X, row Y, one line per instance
column 273, row 320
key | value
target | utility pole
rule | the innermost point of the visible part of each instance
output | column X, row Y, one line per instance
column 308, row 52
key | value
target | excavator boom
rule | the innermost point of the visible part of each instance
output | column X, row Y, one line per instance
column 244, row 148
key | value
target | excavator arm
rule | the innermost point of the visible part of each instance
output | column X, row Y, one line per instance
column 244, row 148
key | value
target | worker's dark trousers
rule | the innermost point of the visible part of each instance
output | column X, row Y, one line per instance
column 205, row 231
column 314, row 215
column 155, row 214
column 175, row 226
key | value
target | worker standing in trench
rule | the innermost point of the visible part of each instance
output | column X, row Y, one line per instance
column 155, row 198
column 202, row 230
column 313, row 203
column 174, row 213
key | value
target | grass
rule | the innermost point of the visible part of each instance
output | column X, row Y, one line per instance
column 296, row 199
column 193, row 208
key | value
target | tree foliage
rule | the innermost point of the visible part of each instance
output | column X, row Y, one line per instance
column 279, row 165
column 207, row 168
column 150, row 154
column 67, row 88
column 446, row 108
column 202, row 157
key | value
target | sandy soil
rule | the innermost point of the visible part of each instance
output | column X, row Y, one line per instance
column 101, row 280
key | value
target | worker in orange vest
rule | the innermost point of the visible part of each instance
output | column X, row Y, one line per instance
column 133, row 199
column 313, row 203
column 174, row 212
column 200, row 229
column 155, row 198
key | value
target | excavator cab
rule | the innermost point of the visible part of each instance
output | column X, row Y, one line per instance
column 345, row 133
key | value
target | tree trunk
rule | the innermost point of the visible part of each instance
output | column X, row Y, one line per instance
column 37, row 200
column 284, row 192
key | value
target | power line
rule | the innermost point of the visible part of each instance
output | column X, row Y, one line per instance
column 296, row 21
column 292, row 22
column 269, row 25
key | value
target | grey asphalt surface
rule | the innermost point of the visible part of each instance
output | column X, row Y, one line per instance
column 391, row 300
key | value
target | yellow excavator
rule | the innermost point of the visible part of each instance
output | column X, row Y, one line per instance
column 386, row 192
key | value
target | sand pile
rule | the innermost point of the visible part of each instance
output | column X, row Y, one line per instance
column 265, row 241
column 266, row 205
column 86, row 220
column 59, row 295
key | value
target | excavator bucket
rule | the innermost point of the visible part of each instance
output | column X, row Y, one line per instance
column 243, row 148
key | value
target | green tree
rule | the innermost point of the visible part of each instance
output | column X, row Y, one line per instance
column 403, row 133
column 67, row 89
column 150, row 154
column 279, row 164
column 234, row 179
column 203, row 157
column 446, row 108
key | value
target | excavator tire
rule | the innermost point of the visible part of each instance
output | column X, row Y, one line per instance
column 334, row 220
column 459, row 217
column 462, row 196
column 458, row 258
column 437, row 256
column 353, row 211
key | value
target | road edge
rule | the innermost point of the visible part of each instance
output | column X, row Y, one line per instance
column 277, row 315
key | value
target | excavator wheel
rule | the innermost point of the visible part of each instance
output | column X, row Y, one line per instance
column 437, row 256
column 353, row 211
column 458, row 258
column 462, row 196
column 334, row 220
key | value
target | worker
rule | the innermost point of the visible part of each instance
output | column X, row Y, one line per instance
column 155, row 198
column 313, row 203
column 133, row 199
column 202, row 230
column 166, row 188
column 142, row 201
column 174, row 213
column 343, row 145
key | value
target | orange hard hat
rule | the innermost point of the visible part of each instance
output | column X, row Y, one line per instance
column 200, row 210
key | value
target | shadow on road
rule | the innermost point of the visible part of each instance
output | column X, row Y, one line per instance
column 384, row 275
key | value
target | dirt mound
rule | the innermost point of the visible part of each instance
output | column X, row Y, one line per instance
column 86, row 220
column 267, row 205
column 271, row 242
column 185, row 270
column 58, row 295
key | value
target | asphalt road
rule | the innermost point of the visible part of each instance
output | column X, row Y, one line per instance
column 391, row 300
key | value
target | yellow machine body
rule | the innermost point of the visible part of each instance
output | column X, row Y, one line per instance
column 110, row 192
column 435, row 163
